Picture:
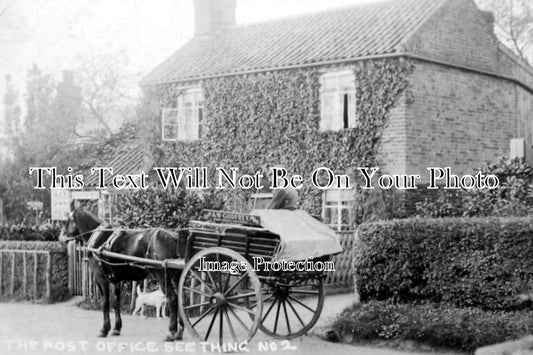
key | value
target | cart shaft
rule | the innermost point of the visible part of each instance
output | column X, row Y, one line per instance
column 168, row 263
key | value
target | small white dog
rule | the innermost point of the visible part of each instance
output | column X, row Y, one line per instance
column 155, row 298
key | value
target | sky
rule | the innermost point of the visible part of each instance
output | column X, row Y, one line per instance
column 58, row 35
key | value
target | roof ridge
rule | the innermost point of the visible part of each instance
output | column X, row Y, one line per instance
column 362, row 30
column 318, row 12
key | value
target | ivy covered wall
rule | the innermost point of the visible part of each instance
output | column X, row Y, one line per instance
column 256, row 121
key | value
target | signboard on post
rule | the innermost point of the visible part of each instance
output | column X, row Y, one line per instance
column 85, row 195
column 34, row 205
column 60, row 204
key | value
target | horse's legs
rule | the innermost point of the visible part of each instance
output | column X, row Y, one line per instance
column 165, row 282
column 103, row 285
column 118, row 319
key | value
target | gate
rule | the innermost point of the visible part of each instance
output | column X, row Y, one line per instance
column 80, row 276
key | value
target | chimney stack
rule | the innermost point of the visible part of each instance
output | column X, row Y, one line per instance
column 211, row 16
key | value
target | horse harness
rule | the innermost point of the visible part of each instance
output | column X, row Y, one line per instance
column 94, row 240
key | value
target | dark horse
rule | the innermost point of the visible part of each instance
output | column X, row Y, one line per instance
column 156, row 244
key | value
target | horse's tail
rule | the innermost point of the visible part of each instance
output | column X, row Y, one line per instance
column 138, row 290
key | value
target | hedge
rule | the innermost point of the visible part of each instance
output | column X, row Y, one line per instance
column 437, row 325
column 466, row 262
column 47, row 233
column 59, row 271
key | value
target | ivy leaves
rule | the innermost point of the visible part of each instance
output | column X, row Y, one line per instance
column 266, row 119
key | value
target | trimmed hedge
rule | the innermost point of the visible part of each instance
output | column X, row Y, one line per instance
column 59, row 271
column 47, row 233
column 466, row 262
column 436, row 325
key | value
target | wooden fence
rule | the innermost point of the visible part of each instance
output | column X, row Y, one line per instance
column 80, row 276
column 21, row 274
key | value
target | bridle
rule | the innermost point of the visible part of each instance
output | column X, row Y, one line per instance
column 64, row 234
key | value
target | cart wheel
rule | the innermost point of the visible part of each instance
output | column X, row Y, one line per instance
column 214, row 305
column 291, row 307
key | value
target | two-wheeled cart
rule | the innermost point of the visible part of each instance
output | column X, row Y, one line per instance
column 244, row 272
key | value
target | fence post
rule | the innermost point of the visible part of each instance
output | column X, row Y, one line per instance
column 12, row 289
column 1, row 272
column 69, row 266
column 84, row 277
column 35, row 263
column 24, row 276
column 48, row 276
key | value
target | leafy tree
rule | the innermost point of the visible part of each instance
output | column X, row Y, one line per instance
column 106, row 96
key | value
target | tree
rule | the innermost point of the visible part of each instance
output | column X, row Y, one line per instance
column 40, row 134
column 107, row 97
column 12, row 115
column 513, row 24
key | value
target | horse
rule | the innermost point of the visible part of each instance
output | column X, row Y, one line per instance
column 154, row 243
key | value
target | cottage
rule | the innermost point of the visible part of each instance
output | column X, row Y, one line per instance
column 404, row 84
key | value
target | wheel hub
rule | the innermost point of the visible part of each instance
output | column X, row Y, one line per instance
column 281, row 292
column 217, row 299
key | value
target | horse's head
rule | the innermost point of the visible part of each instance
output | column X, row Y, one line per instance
column 70, row 230
column 79, row 226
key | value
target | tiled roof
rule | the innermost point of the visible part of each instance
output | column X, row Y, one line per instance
column 130, row 161
column 335, row 35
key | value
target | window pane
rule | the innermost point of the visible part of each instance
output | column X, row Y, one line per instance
column 352, row 118
column 327, row 111
column 346, row 82
column 334, row 216
column 170, row 132
column 338, row 101
column 345, row 216
column 329, row 82
column 190, row 114
column 327, row 216
column 170, row 116
column 188, row 98
column 200, row 122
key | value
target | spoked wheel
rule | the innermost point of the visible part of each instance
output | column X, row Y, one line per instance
column 291, row 307
column 214, row 305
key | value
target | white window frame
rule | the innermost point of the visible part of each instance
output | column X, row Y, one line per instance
column 337, row 201
column 333, row 119
column 179, row 118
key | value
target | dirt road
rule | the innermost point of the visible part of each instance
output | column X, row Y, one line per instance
column 66, row 329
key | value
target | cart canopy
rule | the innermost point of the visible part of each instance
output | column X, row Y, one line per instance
column 301, row 235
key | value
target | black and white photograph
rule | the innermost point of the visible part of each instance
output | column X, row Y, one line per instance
column 266, row 177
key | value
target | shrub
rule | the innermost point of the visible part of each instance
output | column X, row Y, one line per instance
column 432, row 324
column 172, row 208
column 467, row 262
column 43, row 233
column 514, row 196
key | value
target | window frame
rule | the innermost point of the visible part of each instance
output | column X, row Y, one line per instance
column 335, row 120
column 338, row 204
column 197, row 115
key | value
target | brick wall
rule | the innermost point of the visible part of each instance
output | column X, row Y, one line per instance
column 394, row 146
column 458, row 119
